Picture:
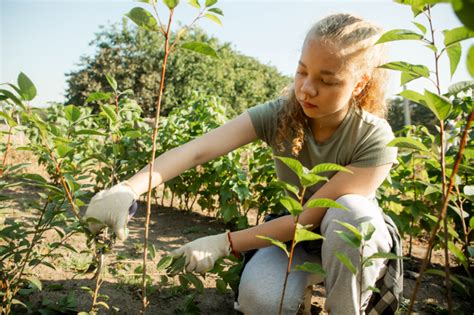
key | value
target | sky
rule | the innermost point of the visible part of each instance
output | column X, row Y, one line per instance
column 46, row 38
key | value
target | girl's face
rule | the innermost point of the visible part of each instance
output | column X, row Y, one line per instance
column 323, row 85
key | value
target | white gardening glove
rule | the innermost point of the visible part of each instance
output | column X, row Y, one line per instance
column 201, row 254
column 111, row 206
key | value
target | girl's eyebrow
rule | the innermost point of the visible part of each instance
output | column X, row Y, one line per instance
column 322, row 71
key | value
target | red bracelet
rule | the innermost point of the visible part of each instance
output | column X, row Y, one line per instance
column 232, row 251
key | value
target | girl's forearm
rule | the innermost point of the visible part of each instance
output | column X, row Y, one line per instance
column 281, row 229
column 167, row 166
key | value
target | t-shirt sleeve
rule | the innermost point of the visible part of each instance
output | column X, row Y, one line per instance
column 373, row 150
column 264, row 118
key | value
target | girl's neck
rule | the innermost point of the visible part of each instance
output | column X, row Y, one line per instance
column 328, row 123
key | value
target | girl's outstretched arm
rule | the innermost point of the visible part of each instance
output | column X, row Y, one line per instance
column 233, row 134
column 363, row 181
column 113, row 206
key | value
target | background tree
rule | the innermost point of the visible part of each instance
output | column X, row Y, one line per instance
column 420, row 115
column 133, row 55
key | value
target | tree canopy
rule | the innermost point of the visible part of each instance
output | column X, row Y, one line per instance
column 134, row 57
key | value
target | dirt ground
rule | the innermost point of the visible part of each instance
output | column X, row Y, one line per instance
column 169, row 229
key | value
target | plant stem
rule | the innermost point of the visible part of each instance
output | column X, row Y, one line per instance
column 443, row 210
column 99, row 279
column 4, row 162
column 153, row 152
column 290, row 258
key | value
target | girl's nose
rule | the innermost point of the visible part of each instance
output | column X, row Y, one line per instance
column 309, row 88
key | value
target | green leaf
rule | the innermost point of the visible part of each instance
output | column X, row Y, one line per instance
column 329, row 167
column 98, row 96
column 171, row 4
column 432, row 47
column 8, row 119
column 350, row 239
column 63, row 149
column 276, row 243
column 35, row 282
column 346, row 261
column 313, row 268
column 152, row 251
column 408, row 143
column 213, row 18
column 311, row 179
column 287, row 186
column 456, row 35
column 303, row 234
column 293, row 164
column 12, row 96
column 409, row 71
column 293, row 206
column 201, row 48
column 398, row 34
column 351, row 228
column 454, row 54
column 195, row 281
column 459, row 254
column 464, row 10
column 413, row 96
column 216, row 11
column 420, row 26
column 462, row 86
column 164, row 263
column 470, row 61
column 367, row 229
column 221, row 286
column 325, row 203
column 373, row 289
column 439, row 105
column 210, row 3
column 72, row 113
column 470, row 250
column 111, row 81
column 133, row 134
column 109, row 113
column 143, row 19
column 18, row 302
column 27, row 88
column 194, row 3
column 90, row 132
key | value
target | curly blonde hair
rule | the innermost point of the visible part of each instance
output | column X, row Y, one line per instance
column 356, row 37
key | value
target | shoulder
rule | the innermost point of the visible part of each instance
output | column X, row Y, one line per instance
column 372, row 124
column 264, row 118
column 272, row 106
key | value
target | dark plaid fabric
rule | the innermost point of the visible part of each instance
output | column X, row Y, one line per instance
column 390, row 294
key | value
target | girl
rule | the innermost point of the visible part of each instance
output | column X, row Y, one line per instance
column 333, row 113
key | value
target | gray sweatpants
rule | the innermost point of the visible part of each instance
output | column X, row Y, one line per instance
column 262, row 280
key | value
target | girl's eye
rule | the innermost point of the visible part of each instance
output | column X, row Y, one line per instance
column 329, row 83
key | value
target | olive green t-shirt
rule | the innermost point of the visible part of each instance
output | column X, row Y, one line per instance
column 360, row 140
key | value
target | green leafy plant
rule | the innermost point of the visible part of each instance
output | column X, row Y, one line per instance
column 295, row 207
column 452, row 112
column 357, row 237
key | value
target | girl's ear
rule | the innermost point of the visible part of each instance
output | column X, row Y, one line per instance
column 360, row 85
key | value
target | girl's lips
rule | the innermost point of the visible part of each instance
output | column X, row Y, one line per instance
column 309, row 105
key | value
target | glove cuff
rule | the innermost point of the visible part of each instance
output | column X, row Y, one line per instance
column 136, row 195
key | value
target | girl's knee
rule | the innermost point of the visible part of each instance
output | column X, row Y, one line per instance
column 358, row 209
column 255, row 299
